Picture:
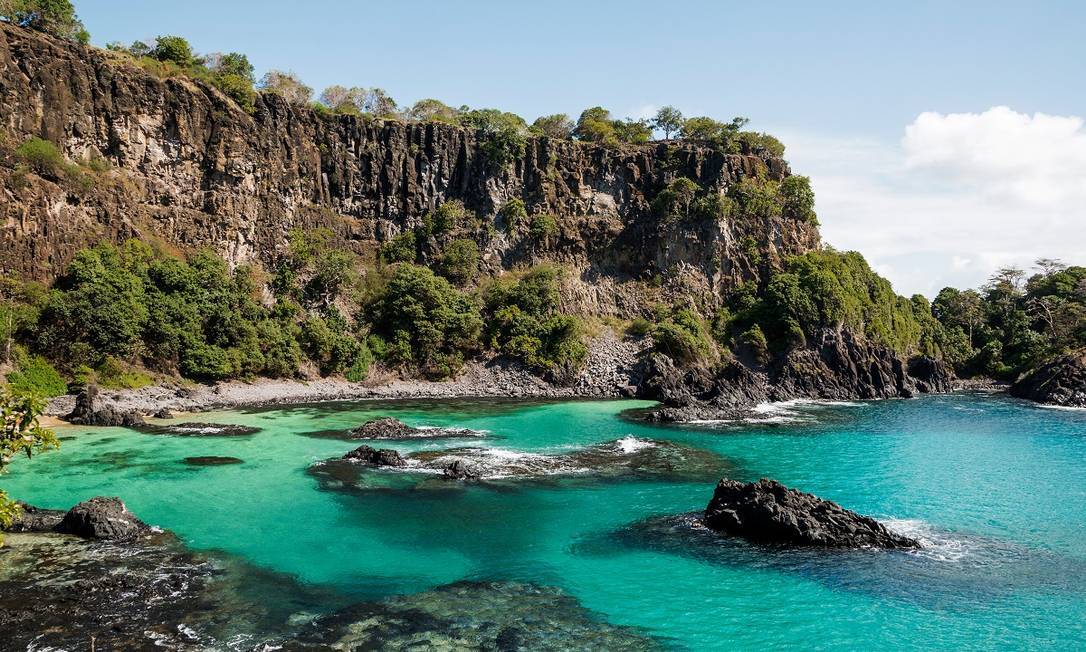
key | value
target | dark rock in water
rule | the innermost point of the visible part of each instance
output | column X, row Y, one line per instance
column 102, row 518
column 212, row 460
column 201, row 429
column 34, row 519
column 1059, row 382
column 57, row 590
column 376, row 457
column 164, row 413
column 384, row 428
column 461, row 469
column 768, row 512
column 390, row 428
column 471, row 616
column 88, row 413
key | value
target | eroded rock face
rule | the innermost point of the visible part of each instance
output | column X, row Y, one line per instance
column 1059, row 382
column 768, row 512
column 103, row 518
column 839, row 365
column 190, row 168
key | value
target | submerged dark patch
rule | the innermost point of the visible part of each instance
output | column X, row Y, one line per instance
column 212, row 460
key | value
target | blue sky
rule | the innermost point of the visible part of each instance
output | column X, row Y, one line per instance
column 839, row 81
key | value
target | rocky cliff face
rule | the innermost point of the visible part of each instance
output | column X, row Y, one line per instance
column 189, row 169
column 1059, row 382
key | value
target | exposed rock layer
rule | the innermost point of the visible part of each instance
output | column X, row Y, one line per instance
column 190, row 169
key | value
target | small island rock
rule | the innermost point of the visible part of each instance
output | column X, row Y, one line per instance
column 376, row 457
column 769, row 512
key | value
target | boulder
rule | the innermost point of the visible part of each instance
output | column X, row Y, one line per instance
column 376, row 457
column 768, row 512
column 1059, row 382
column 102, row 518
column 200, row 429
column 163, row 413
column 384, row 428
column 87, row 412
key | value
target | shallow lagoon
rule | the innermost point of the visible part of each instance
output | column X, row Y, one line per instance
column 996, row 486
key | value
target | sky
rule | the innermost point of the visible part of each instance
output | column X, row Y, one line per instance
column 942, row 141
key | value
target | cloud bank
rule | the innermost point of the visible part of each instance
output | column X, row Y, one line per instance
column 960, row 195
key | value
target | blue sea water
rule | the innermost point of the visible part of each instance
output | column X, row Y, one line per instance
column 996, row 488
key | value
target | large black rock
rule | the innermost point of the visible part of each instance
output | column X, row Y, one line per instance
column 102, row 518
column 376, row 457
column 769, row 512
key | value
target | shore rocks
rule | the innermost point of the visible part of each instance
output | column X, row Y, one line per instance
column 1059, row 382
column 376, row 457
column 838, row 365
column 87, row 413
column 102, row 518
column 768, row 512
column 35, row 519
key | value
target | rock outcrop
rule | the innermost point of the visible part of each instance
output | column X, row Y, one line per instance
column 102, row 518
column 392, row 429
column 839, row 365
column 768, row 512
column 376, row 457
column 1059, row 382
column 88, row 413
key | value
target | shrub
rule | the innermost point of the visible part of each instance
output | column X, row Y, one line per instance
column 448, row 216
column 639, row 327
column 36, row 376
column 513, row 213
column 431, row 110
column 114, row 374
column 400, row 249
column 760, row 143
column 595, row 125
column 503, row 134
column 797, row 199
column 684, row 337
column 56, row 17
column 173, row 49
column 460, row 261
column 753, row 339
column 543, row 227
column 676, row 200
column 42, row 156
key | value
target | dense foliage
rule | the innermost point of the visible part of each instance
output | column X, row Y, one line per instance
column 1015, row 323
column 21, row 433
column 56, row 17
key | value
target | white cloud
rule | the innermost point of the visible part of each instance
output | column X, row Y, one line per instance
column 958, row 197
column 642, row 112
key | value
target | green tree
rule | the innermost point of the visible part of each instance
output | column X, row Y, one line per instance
column 595, row 125
column 21, row 433
column 56, row 17
column 634, row 132
column 797, row 198
column 459, row 261
column 174, row 49
column 503, row 135
column 286, row 85
column 431, row 110
column 557, row 126
column 668, row 120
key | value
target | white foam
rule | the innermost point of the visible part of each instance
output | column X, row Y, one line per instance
column 1070, row 408
column 934, row 544
column 631, row 444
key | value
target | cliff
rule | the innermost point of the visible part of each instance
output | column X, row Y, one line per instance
column 189, row 169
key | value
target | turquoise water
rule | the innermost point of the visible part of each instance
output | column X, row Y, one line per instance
column 995, row 486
